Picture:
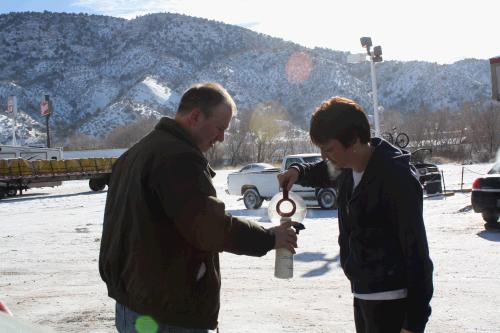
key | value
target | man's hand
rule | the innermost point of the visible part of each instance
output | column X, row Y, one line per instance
column 288, row 178
column 285, row 236
column 405, row 331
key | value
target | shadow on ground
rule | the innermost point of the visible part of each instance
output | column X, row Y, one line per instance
column 491, row 233
column 317, row 257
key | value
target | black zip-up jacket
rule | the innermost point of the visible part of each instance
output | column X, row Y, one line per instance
column 382, row 238
column 162, row 223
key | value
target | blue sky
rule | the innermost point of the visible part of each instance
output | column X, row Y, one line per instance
column 441, row 31
column 7, row 6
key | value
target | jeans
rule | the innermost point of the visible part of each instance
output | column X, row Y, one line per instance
column 379, row 316
column 128, row 321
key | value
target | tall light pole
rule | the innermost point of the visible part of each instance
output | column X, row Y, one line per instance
column 12, row 108
column 46, row 110
column 375, row 56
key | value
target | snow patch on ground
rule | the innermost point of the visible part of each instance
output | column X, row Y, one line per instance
column 49, row 275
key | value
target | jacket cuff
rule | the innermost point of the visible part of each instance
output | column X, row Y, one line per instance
column 297, row 167
column 272, row 238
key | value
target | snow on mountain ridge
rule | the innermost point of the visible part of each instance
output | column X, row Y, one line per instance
column 103, row 72
column 151, row 90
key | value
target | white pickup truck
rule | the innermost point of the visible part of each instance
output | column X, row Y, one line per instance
column 257, row 182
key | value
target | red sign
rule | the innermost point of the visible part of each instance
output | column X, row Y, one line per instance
column 44, row 106
column 495, row 60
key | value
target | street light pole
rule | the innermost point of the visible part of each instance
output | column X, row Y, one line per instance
column 12, row 108
column 375, row 56
column 375, row 97
column 46, row 110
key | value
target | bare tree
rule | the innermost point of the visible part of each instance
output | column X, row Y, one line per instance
column 215, row 155
column 80, row 141
column 126, row 136
column 265, row 128
column 484, row 133
column 416, row 127
column 237, row 138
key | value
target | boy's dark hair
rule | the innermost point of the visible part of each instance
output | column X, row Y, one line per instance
column 342, row 119
column 205, row 96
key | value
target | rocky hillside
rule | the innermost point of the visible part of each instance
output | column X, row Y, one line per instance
column 102, row 72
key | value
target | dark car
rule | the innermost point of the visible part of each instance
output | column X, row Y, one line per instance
column 428, row 174
column 485, row 196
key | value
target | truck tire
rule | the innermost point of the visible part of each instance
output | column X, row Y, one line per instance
column 252, row 199
column 327, row 199
column 96, row 184
column 11, row 191
column 490, row 217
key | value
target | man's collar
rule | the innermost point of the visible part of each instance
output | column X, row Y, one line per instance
column 168, row 124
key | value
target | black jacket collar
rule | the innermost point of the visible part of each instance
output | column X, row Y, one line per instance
column 383, row 152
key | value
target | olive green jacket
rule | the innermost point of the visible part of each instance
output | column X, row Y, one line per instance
column 164, row 227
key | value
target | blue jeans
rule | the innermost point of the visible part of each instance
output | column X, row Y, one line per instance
column 128, row 321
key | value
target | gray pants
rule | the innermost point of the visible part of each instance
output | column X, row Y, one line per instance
column 128, row 321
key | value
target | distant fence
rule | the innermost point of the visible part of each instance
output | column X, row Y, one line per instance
column 460, row 177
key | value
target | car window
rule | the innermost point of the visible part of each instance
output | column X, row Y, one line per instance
column 495, row 169
column 245, row 168
column 312, row 159
column 420, row 155
column 290, row 161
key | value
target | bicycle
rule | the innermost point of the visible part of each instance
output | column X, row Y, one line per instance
column 402, row 139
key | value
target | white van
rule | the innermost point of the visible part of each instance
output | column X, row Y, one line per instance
column 30, row 153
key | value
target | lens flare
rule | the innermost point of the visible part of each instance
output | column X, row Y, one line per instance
column 299, row 67
column 146, row 324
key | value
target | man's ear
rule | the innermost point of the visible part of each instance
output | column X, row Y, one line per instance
column 194, row 116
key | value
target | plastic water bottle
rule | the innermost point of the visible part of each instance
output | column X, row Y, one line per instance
column 283, row 264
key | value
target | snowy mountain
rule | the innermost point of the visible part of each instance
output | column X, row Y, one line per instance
column 102, row 72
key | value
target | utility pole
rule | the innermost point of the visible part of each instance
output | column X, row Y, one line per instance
column 12, row 108
column 46, row 110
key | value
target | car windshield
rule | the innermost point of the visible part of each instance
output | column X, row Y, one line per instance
column 312, row 159
column 420, row 155
column 495, row 168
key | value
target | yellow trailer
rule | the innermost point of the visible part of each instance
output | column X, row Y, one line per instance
column 18, row 174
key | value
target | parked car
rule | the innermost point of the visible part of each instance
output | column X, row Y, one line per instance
column 257, row 167
column 485, row 196
column 257, row 182
column 428, row 174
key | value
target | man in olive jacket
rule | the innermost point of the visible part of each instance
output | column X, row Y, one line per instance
column 164, row 227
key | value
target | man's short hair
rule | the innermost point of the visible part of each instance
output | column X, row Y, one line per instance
column 342, row 119
column 205, row 96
